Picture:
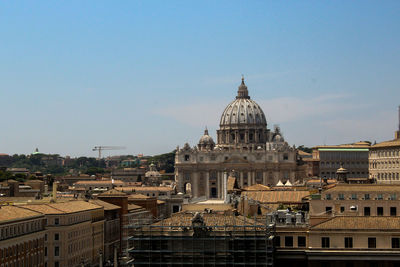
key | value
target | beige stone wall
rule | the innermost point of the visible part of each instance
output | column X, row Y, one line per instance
column 23, row 250
column 384, row 164
column 204, row 170
column 360, row 239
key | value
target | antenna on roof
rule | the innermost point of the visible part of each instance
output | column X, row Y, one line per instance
column 399, row 118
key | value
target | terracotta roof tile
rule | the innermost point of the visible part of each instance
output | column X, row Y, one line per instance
column 277, row 196
column 105, row 205
column 138, row 196
column 8, row 213
column 113, row 192
column 143, row 188
column 391, row 143
column 62, row 207
column 119, row 182
column 134, row 207
column 257, row 187
column 360, row 223
column 210, row 219
column 364, row 188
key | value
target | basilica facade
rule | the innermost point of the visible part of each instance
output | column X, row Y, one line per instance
column 245, row 149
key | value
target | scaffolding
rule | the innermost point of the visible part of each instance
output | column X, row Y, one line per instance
column 216, row 240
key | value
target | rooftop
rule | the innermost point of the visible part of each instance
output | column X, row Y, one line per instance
column 353, row 146
column 360, row 223
column 202, row 207
column 210, row 219
column 144, row 188
column 138, row 196
column 134, row 207
column 10, row 213
column 276, row 196
column 63, row 207
column 105, row 205
column 257, row 187
column 391, row 143
column 364, row 188
column 97, row 182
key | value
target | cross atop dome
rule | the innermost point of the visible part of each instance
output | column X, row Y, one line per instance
column 242, row 90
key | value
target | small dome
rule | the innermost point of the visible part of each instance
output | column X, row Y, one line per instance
column 206, row 139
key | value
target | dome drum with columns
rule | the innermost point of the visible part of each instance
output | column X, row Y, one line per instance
column 244, row 147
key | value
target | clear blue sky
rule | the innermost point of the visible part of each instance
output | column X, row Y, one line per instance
column 150, row 75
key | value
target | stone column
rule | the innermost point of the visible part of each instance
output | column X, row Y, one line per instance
column 241, row 179
column 224, row 183
column 195, row 185
column 179, row 179
column 256, row 137
column 207, row 185
column 236, row 137
column 218, row 185
column 246, row 137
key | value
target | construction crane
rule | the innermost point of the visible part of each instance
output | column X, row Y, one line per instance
column 101, row 148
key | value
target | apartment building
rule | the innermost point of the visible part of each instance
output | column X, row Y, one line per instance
column 353, row 157
column 356, row 200
column 384, row 161
column 22, row 235
column 75, row 232
column 111, row 228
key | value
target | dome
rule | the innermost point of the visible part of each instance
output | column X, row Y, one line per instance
column 206, row 139
column 243, row 110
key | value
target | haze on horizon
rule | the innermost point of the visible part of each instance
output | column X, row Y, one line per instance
column 150, row 75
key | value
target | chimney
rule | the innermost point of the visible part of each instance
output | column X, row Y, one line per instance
column 397, row 134
column 55, row 184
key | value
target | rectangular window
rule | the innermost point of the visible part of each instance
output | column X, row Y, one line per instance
column 354, row 196
column 325, row 242
column 371, row 242
column 56, row 264
column 56, row 221
column 56, row 251
column 301, row 241
column 393, row 211
column 341, row 196
column 328, row 197
column 348, row 242
column 45, row 251
column 379, row 197
column 341, row 209
column 288, row 241
column 367, row 211
column 395, row 242
column 366, row 196
column 379, row 211
column 393, row 197
column 56, row 237
column 328, row 209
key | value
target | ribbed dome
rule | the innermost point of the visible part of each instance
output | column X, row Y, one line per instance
column 243, row 111
column 206, row 139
